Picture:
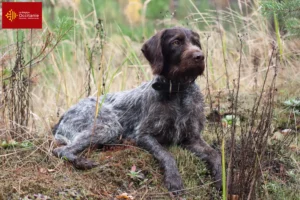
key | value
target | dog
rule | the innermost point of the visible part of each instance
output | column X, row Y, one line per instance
column 165, row 111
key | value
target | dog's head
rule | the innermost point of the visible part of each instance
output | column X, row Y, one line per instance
column 175, row 53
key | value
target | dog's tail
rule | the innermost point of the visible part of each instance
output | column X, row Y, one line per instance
column 54, row 129
column 58, row 137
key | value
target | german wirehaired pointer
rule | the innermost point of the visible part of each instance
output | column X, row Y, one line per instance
column 165, row 111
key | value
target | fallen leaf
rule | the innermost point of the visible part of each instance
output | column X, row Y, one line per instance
column 285, row 131
column 124, row 196
column 133, row 168
column 43, row 170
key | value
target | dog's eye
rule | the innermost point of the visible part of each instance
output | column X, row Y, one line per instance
column 175, row 43
column 198, row 44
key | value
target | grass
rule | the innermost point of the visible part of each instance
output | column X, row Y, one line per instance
column 61, row 79
column 44, row 174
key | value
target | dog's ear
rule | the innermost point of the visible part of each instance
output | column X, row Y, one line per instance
column 153, row 52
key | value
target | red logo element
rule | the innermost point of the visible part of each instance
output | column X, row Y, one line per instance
column 21, row 15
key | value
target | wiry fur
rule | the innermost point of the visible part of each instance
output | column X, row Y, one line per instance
column 152, row 118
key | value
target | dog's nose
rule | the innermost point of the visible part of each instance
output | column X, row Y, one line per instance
column 198, row 56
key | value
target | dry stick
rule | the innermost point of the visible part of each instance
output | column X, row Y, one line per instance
column 255, row 108
column 252, row 186
column 11, row 96
column 15, row 87
column 8, row 154
column 269, row 113
column 102, row 33
column 144, row 194
column 207, row 82
column 242, row 157
column 20, row 89
column 255, row 68
column 2, row 101
column 233, row 128
column 99, row 27
column 257, row 165
column 271, row 110
column 90, row 60
column 29, row 82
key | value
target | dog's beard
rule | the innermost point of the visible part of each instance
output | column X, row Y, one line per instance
column 185, row 72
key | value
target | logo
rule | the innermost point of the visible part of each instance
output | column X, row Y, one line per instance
column 11, row 15
column 22, row 15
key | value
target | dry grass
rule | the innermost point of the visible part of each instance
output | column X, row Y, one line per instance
column 61, row 79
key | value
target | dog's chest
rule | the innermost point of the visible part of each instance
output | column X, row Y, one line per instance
column 171, row 123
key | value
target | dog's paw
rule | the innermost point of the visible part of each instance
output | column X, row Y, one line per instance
column 58, row 151
column 83, row 163
column 217, row 173
column 218, row 180
column 174, row 183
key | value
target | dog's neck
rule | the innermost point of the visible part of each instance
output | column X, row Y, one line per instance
column 162, row 84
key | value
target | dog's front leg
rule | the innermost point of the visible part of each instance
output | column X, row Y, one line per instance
column 205, row 152
column 172, row 177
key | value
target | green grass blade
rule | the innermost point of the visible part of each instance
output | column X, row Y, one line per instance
column 223, row 171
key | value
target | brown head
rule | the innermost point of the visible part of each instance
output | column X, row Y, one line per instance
column 176, row 54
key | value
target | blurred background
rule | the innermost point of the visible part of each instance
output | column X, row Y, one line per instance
column 137, row 18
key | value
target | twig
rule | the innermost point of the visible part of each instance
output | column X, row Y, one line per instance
column 233, row 128
column 31, row 63
column 207, row 82
column 256, row 105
